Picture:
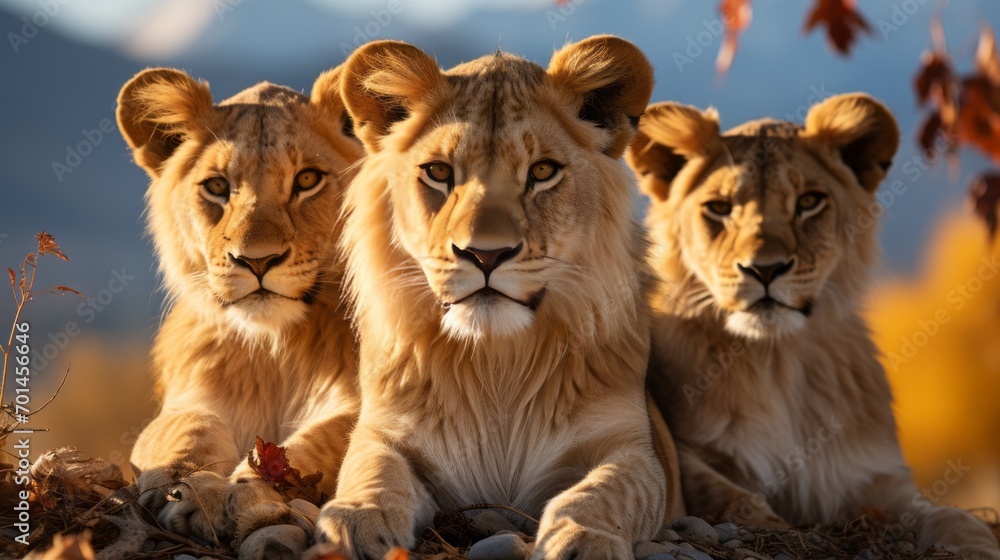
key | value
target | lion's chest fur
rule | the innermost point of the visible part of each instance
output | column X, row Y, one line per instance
column 806, row 423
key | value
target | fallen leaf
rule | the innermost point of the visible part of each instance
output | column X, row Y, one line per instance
column 397, row 553
column 842, row 21
column 269, row 461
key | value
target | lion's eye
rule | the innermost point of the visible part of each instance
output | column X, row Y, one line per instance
column 216, row 187
column 308, row 179
column 718, row 208
column 810, row 203
column 544, row 174
column 438, row 175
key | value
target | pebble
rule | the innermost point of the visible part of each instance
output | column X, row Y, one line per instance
column 733, row 544
column 670, row 547
column 693, row 555
column 660, row 557
column 489, row 522
column 185, row 557
column 865, row 555
column 149, row 546
column 668, row 535
column 695, row 529
column 782, row 556
column 647, row 550
column 504, row 546
column 727, row 531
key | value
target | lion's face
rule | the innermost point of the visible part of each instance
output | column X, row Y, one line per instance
column 760, row 218
column 496, row 186
column 243, row 206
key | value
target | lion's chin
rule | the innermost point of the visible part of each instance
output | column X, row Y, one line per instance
column 761, row 324
column 267, row 319
column 486, row 317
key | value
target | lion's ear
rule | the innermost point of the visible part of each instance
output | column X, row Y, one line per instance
column 612, row 81
column 383, row 83
column 326, row 95
column 669, row 135
column 157, row 110
column 861, row 130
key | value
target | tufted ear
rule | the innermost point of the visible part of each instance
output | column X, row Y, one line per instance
column 157, row 109
column 383, row 83
column 612, row 80
column 669, row 135
column 861, row 130
column 326, row 95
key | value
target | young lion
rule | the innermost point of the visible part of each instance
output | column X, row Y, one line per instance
column 761, row 357
column 498, row 276
column 242, row 210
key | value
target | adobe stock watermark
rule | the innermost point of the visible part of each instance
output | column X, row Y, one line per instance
column 75, row 154
column 43, row 354
column 373, row 28
column 793, row 462
column 901, row 13
column 223, row 7
column 4, row 236
column 927, row 499
column 914, row 168
column 47, row 9
column 957, row 298
column 695, row 44
column 562, row 13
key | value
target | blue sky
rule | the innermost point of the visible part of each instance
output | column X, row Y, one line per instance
column 59, row 86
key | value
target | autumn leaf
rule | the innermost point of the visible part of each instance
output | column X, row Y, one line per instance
column 842, row 22
column 935, row 81
column 13, row 276
column 65, row 289
column 47, row 245
column 987, row 62
column 269, row 461
column 397, row 553
column 736, row 16
column 984, row 197
column 931, row 128
column 979, row 115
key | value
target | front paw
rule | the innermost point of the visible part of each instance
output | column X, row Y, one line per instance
column 567, row 540
column 156, row 482
column 362, row 532
column 195, row 506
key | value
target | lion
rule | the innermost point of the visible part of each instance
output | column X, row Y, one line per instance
column 496, row 269
column 764, row 368
column 242, row 209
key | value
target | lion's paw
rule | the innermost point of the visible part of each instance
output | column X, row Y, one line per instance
column 567, row 540
column 194, row 506
column 280, row 542
column 156, row 482
column 361, row 532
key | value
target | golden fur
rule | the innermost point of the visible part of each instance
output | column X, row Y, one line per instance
column 530, row 395
column 781, row 410
column 255, row 341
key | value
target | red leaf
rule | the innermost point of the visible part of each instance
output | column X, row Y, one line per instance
column 397, row 553
column 66, row 289
column 842, row 22
column 268, row 460
column 736, row 16
column 13, row 276
column 987, row 62
column 935, row 80
column 979, row 114
column 985, row 198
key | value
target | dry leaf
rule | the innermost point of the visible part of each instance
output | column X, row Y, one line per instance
column 985, row 199
column 736, row 16
column 268, row 460
column 842, row 21
column 935, row 81
column 397, row 553
column 47, row 245
column 987, row 62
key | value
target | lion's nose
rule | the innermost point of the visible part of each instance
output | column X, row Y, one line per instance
column 487, row 260
column 767, row 273
column 259, row 265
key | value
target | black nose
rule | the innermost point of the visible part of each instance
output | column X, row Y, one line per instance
column 767, row 273
column 487, row 260
column 259, row 266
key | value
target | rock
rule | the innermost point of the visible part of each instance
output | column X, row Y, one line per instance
column 149, row 546
column 185, row 557
column 647, row 550
column 781, row 556
column 865, row 555
column 660, row 557
column 667, row 534
column 163, row 545
column 489, row 522
column 504, row 546
column 274, row 542
column 733, row 544
column 693, row 555
column 727, row 531
column 695, row 529
column 670, row 547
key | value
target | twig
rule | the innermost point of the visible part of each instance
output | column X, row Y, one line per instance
column 56, row 394
column 498, row 506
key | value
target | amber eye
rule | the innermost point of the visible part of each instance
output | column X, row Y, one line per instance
column 308, row 179
column 216, row 187
column 438, row 175
column 810, row 203
column 718, row 208
column 544, row 174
